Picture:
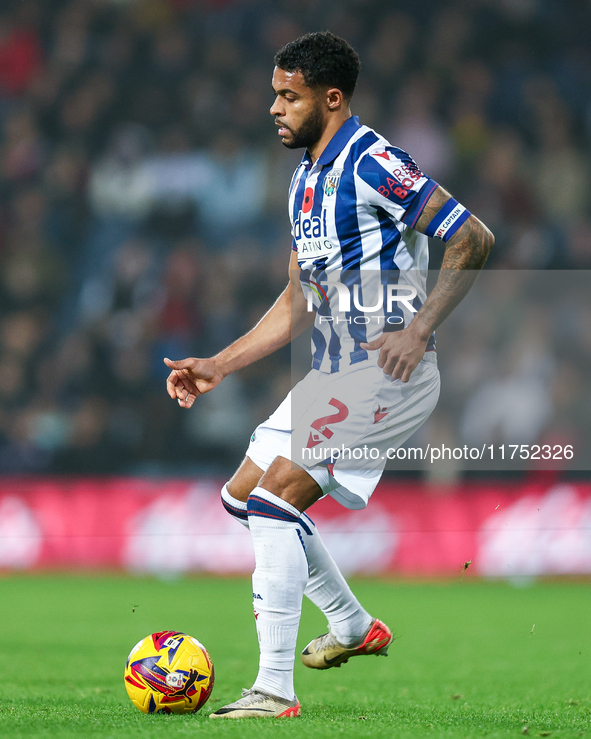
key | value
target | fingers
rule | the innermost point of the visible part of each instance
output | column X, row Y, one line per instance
column 406, row 375
column 373, row 345
column 178, row 384
column 181, row 388
column 175, row 383
column 171, row 382
column 179, row 364
column 390, row 364
column 192, row 368
column 187, row 400
column 190, row 378
column 401, row 368
column 186, row 391
column 393, row 359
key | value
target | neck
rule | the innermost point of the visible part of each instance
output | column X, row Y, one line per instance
column 334, row 123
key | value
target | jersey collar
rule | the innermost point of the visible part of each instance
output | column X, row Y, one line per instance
column 336, row 145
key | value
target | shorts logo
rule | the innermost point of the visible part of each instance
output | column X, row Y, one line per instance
column 380, row 413
column 320, row 425
column 332, row 181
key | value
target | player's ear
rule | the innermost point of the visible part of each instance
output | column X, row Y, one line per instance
column 334, row 98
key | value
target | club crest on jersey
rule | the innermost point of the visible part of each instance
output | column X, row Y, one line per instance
column 332, row 181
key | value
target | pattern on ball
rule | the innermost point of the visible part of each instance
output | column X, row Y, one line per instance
column 169, row 672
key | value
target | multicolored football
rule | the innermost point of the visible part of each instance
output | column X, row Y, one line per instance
column 169, row 672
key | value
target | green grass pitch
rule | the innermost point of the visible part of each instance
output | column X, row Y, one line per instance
column 468, row 660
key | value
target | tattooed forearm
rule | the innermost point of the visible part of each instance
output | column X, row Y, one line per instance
column 469, row 247
column 464, row 257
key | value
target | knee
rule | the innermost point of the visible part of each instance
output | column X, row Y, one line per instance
column 244, row 480
column 236, row 490
column 236, row 508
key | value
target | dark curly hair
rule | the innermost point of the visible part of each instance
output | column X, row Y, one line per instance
column 324, row 59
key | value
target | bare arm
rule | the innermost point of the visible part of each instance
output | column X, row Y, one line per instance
column 465, row 255
column 286, row 319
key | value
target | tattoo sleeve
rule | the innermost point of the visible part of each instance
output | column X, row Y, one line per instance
column 465, row 255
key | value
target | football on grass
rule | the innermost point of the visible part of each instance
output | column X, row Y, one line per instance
column 169, row 672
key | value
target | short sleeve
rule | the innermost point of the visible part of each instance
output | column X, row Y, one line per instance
column 392, row 180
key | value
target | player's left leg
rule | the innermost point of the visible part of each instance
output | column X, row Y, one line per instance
column 274, row 513
column 281, row 573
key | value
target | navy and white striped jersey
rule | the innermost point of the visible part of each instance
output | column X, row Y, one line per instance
column 363, row 267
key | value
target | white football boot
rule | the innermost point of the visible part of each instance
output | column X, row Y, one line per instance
column 256, row 704
column 325, row 651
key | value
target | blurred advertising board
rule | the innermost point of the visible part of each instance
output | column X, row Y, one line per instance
column 172, row 526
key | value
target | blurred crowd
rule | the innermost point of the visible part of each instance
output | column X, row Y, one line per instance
column 143, row 200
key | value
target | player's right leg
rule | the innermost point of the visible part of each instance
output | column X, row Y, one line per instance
column 348, row 621
column 356, row 394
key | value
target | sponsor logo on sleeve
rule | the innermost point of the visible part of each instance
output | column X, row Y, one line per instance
column 403, row 176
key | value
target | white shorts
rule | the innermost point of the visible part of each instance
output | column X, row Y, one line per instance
column 339, row 426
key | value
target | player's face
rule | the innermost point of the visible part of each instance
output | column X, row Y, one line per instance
column 297, row 109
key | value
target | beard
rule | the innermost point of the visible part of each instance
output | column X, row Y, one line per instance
column 308, row 133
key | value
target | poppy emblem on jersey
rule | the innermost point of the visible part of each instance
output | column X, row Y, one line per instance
column 332, row 181
column 308, row 200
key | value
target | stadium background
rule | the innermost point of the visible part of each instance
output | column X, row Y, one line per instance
column 142, row 215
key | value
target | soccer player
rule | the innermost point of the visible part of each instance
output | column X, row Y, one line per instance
column 361, row 211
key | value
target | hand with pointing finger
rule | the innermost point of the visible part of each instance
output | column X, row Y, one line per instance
column 190, row 378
